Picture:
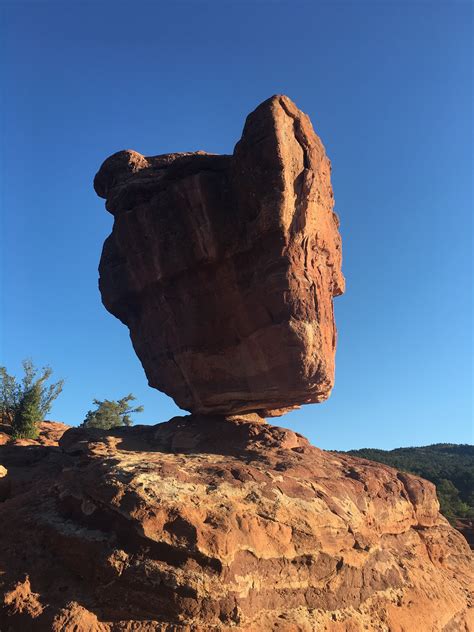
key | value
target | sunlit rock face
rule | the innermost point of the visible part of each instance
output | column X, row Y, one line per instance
column 224, row 268
column 206, row 524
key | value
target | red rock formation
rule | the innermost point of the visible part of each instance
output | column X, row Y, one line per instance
column 224, row 269
column 217, row 263
column 205, row 524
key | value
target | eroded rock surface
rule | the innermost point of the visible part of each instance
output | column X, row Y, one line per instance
column 205, row 524
column 224, row 268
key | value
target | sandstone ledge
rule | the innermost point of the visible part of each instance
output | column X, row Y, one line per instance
column 202, row 523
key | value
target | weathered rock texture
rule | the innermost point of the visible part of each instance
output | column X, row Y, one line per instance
column 218, row 263
column 202, row 524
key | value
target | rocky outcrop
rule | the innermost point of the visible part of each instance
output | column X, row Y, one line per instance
column 224, row 269
column 203, row 523
column 49, row 434
column 217, row 263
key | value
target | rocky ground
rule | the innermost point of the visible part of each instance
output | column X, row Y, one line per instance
column 202, row 523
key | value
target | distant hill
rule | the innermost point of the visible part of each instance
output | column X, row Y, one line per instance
column 449, row 466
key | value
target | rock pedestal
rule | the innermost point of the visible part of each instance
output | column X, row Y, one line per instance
column 224, row 267
column 205, row 524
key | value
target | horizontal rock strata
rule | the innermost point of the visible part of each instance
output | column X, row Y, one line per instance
column 224, row 267
column 202, row 523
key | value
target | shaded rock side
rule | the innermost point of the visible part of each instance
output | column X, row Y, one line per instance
column 224, row 268
column 169, row 528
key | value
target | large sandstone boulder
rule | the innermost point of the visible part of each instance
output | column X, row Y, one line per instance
column 224, row 268
column 203, row 524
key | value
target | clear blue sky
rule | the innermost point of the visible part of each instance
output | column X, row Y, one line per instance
column 388, row 86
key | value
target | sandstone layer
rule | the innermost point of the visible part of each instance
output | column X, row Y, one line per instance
column 224, row 268
column 204, row 524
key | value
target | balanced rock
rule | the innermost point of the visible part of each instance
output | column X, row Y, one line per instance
column 224, row 268
column 202, row 524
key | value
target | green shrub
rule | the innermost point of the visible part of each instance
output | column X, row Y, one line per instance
column 23, row 404
column 28, row 414
column 111, row 413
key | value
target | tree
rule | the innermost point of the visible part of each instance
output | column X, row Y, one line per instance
column 28, row 414
column 29, row 396
column 111, row 413
column 451, row 504
column 9, row 396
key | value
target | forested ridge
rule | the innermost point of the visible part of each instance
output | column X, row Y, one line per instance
column 449, row 466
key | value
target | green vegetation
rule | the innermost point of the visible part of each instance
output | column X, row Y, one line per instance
column 450, row 467
column 111, row 414
column 23, row 404
column 28, row 414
